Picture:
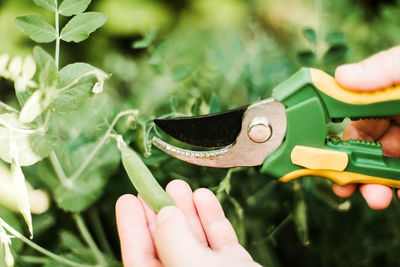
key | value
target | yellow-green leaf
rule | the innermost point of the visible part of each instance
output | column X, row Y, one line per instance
column 36, row 27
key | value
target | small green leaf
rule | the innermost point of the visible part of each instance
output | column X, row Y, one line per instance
column 36, row 27
column 70, row 241
column 181, row 72
column 195, row 109
column 46, row 68
column 82, row 25
column 335, row 38
column 173, row 103
column 334, row 54
column 90, row 185
column 310, row 35
column 73, row 7
column 147, row 40
column 306, row 58
column 49, row 5
column 214, row 104
column 300, row 215
column 76, row 82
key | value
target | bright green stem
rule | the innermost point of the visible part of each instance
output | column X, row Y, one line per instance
column 57, row 24
column 59, row 170
column 100, row 144
column 41, row 249
column 99, row 231
column 89, row 239
column 34, row 259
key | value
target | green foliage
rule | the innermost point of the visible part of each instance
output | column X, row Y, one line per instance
column 310, row 35
column 73, row 7
column 49, row 5
column 82, row 25
column 147, row 40
column 75, row 85
column 36, row 27
column 46, row 69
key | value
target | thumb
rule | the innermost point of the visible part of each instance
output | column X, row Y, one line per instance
column 376, row 72
column 176, row 245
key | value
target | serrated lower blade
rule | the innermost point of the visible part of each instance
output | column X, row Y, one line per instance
column 213, row 130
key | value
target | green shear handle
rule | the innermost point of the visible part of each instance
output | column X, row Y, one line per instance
column 312, row 98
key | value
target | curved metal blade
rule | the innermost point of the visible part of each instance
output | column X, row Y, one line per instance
column 244, row 151
column 213, row 130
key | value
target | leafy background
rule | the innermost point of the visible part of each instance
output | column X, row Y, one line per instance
column 175, row 57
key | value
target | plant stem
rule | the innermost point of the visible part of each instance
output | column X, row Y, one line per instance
column 319, row 42
column 99, row 231
column 59, row 170
column 9, row 108
column 99, row 145
column 57, row 24
column 41, row 249
column 89, row 239
column 34, row 259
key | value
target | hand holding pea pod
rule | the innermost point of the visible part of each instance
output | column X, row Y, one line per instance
column 195, row 233
column 379, row 71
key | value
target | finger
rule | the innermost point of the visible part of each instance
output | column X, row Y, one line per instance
column 343, row 191
column 150, row 216
column 219, row 231
column 175, row 241
column 396, row 119
column 371, row 129
column 377, row 196
column 391, row 141
column 352, row 132
column 182, row 194
column 376, row 72
column 137, row 248
column 398, row 194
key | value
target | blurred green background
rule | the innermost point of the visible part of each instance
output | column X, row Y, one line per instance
column 191, row 57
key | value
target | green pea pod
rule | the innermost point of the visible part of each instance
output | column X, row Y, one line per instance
column 143, row 180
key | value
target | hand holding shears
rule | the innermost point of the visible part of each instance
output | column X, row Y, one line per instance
column 287, row 133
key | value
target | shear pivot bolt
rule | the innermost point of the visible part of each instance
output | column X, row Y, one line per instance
column 259, row 130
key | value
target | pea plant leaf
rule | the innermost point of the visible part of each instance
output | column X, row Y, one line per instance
column 73, row 7
column 334, row 54
column 310, row 35
column 307, row 57
column 82, row 25
column 76, row 83
column 89, row 186
column 46, row 68
column 214, row 104
column 36, row 27
column 32, row 146
column 181, row 72
column 147, row 40
column 335, row 38
column 49, row 5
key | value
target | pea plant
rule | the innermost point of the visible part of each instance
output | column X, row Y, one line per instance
column 32, row 136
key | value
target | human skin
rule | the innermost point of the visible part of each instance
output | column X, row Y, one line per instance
column 374, row 73
column 195, row 233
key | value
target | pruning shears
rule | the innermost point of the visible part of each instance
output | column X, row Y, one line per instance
column 287, row 133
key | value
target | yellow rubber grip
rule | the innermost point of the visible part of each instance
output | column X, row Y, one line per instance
column 329, row 86
column 340, row 177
